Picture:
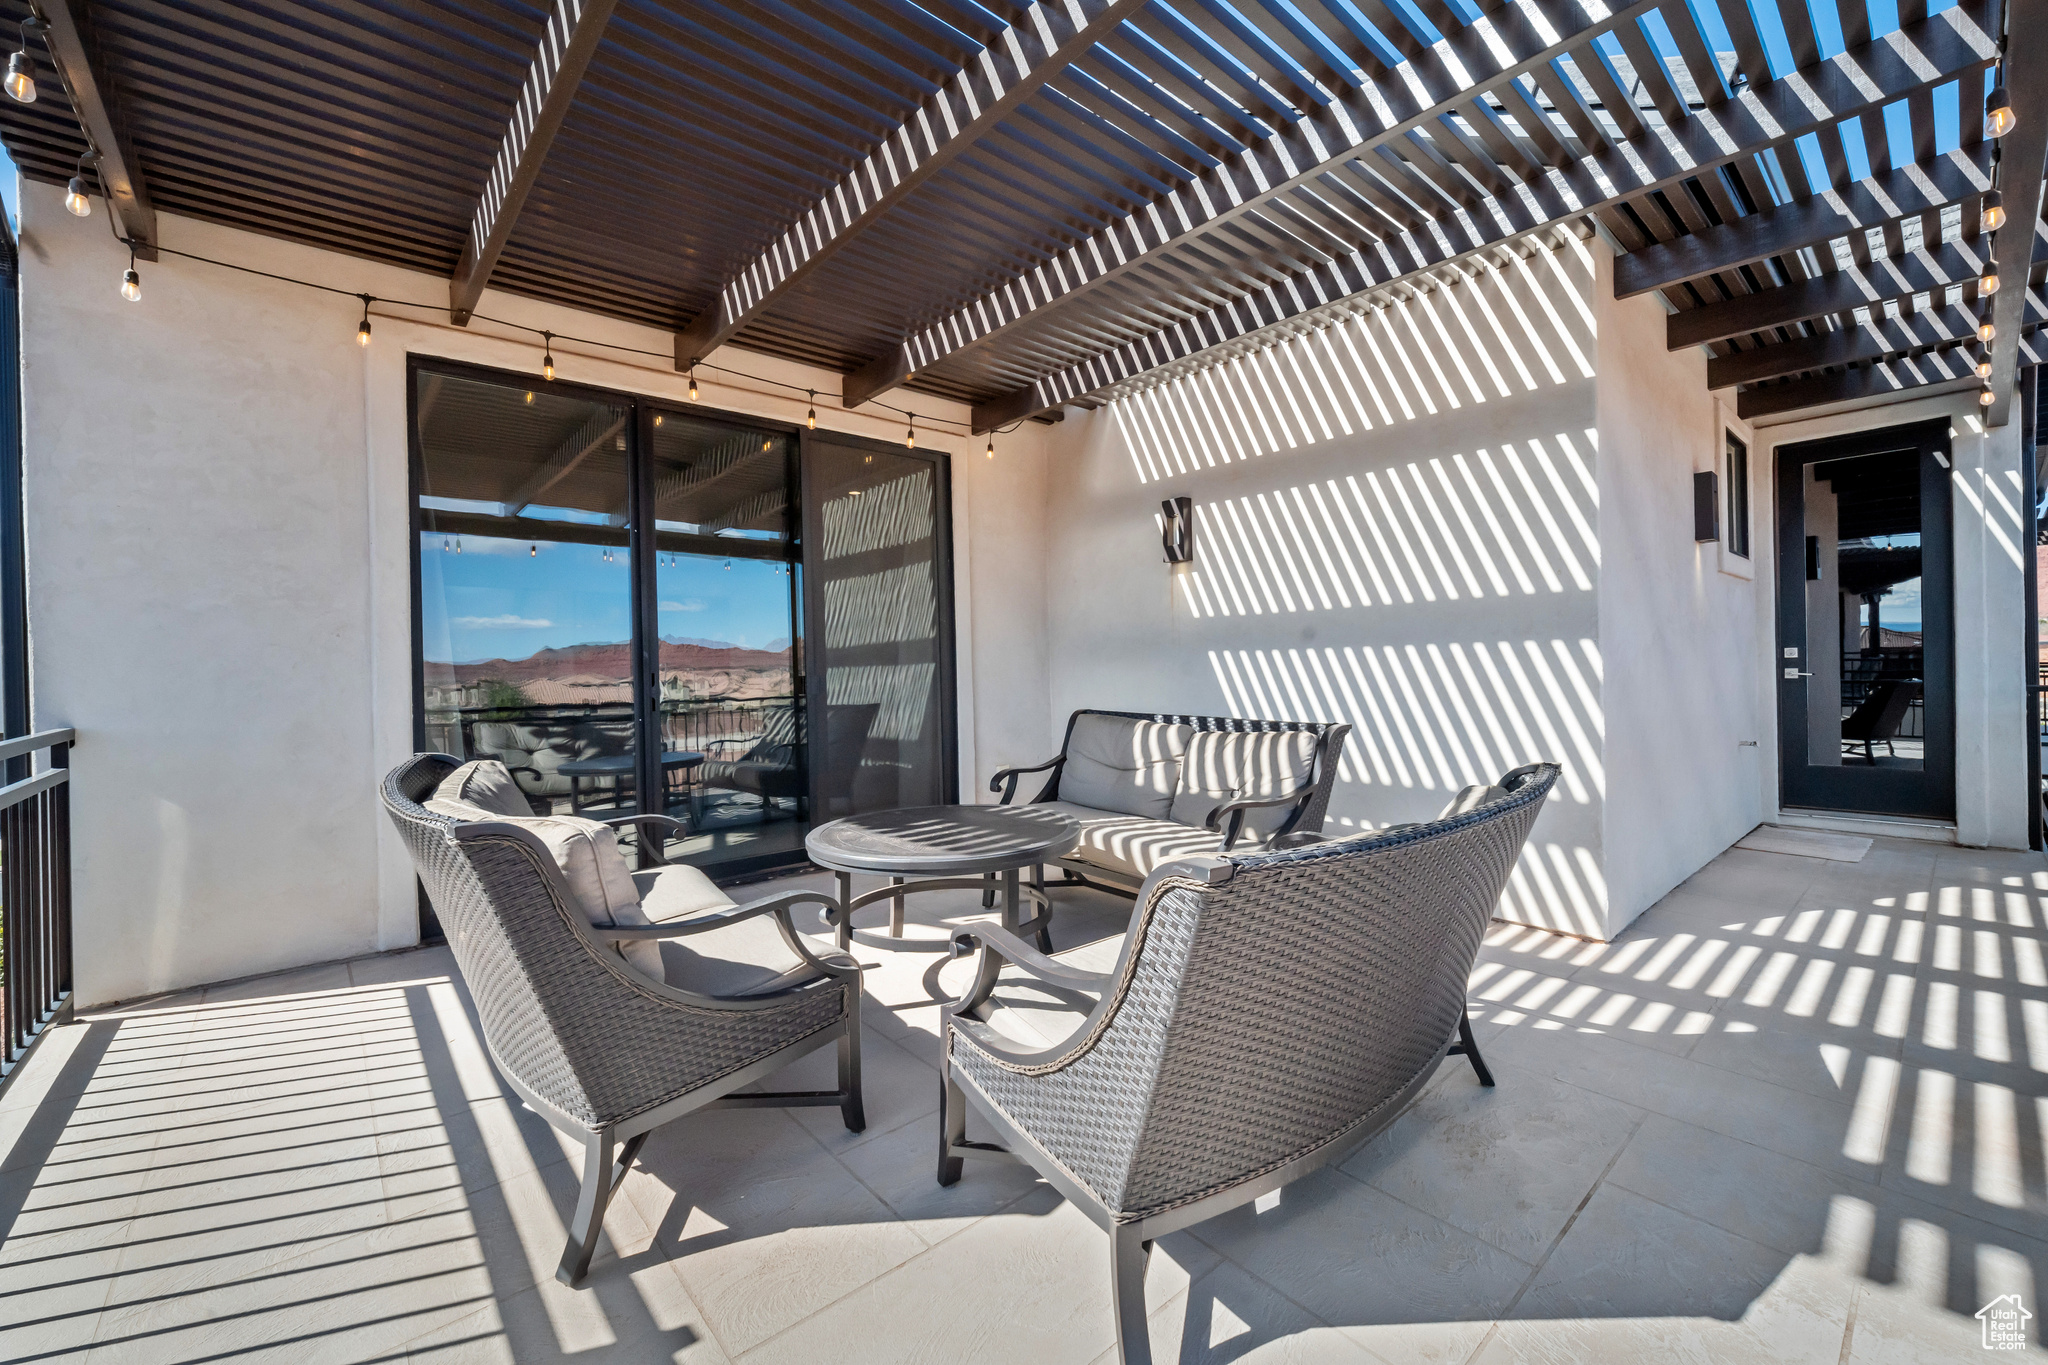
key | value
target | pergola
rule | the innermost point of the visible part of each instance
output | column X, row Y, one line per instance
column 1024, row 207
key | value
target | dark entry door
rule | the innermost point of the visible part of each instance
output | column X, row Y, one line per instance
column 1866, row 652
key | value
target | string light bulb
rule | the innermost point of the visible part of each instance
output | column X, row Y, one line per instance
column 363, row 328
column 529, row 395
column 533, row 552
column 991, row 447
column 77, row 195
column 1986, row 398
column 657, row 419
column 21, row 68
column 811, row 416
column 1984, row 367
column 131, row 283
column 693, row 382
column 547, row 356
column 1986, row 332
column 1999, row 118
column 1988, row 282
column 910, row 436
column 1993, row 211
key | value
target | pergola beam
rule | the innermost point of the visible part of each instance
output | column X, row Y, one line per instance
column 68, row 34
column 567, row 45
column 1928, row 53
column 1876, row 202
column 1881, row 338
column 2022, row 154
column 1354, row 126
column 1957, row 263
column 1948, row 370
column 1046, row 40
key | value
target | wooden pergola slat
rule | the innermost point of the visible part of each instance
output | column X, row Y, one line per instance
column 73, row 51
column 1949, row 45
column 1873, row 202
column 567, row 44
column 1352, row 128
column 2022, row 154
column 1015, row 66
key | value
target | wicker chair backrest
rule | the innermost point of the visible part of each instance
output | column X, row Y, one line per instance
column 1263, row 1017
column 563, row 1017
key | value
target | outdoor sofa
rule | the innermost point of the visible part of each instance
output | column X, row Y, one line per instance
column 1264, row 1013
column 1149, row 788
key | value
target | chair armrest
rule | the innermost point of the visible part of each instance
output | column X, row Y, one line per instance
column 837, row 964
column 1300, row 838
column 669, row 822
column 1005, row 780
column 999, row 946
column 1236, row 811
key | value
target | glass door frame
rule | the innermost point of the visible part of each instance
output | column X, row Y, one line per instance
column 814, row 605
column 642, row 550
column 1930, row 791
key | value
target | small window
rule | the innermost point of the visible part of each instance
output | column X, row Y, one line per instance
column 1738, row 497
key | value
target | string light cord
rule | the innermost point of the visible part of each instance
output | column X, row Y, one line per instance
column 543, row 333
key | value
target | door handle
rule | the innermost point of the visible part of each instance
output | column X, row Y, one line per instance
column 1795, row 673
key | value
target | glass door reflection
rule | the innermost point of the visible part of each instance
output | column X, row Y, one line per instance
column 727, row 661
column 525, row 581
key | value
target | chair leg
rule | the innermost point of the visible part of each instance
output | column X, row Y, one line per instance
column 626, row 1155
column 895, row 911
column 1468, row 1047
column 590, row 1204
column 1128, row 1254
column 988, row 891
column 952, row 1127
column 851, row 1111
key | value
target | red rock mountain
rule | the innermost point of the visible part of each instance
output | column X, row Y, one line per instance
column 614, row 661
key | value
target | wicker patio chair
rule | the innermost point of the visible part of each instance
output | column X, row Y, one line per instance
column 604, row 1053
column 1267, row 1013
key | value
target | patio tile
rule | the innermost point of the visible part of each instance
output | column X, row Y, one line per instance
column 1929, row 1270
column 1228, row 1315
column 1820, row 1061
column 1767, row 881
column 896, row 1088
column 764, row 1226
column 328, row 976
column 1737, row 1186
column 52, row 1290
column 1391, row 1276
column 1790, row 1122
column 409, row 964
column 1509, row 1165
column 901, row 1169
column 1971, row 1144
column 1629, row 1257
column 1030, row 1284
column 629, row 1319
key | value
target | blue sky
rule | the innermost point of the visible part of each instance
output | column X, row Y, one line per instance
column 499, row 600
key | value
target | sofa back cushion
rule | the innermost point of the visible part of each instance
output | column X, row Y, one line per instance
column 1123, row 765
column 485, row 782
column 1223, row 765
column 586, row 852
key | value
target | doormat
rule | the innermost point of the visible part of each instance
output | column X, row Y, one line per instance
column 1806, row 843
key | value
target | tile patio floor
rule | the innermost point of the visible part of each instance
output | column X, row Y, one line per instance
column 1795, row 1114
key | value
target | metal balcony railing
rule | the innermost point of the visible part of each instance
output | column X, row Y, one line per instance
column 35, row 894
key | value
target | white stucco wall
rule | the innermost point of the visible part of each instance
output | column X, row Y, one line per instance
column 219, row 594
column 1679, row 633
column 1395, row 526
column 1990, row 547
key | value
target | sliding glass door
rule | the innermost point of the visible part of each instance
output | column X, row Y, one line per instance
column 612, row 597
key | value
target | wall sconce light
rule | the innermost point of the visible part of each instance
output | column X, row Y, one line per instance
column 1177, row 530
column 1706, row 506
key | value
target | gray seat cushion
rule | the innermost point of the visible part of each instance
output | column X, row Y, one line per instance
column 1130, row 844
column 1128, row 766
column 1226, row 766
column 737, row 960
column 1033, row 1014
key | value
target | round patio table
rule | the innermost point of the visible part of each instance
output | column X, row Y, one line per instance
column 946, row 848
column 617, row 766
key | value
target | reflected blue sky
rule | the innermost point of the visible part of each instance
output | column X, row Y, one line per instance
column 505, row 599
